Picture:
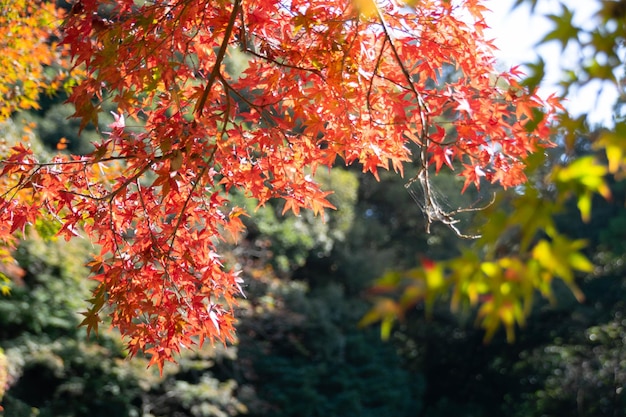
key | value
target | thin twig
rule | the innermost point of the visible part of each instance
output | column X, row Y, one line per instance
column 429, row 205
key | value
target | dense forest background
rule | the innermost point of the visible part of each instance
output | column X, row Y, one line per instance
column 308, row 284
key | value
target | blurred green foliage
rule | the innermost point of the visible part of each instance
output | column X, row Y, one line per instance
column 294, row 238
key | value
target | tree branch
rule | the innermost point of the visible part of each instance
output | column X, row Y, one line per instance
column 218, row 60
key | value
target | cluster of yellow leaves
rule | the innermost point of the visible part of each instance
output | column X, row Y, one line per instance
column 502, row 289
column 27, row 48
column 520, row 255
column 613, row 143
column 584, row 177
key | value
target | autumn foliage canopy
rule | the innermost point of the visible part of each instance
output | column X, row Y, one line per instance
column 325, row 83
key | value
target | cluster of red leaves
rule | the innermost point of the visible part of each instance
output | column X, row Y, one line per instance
column 323, row 81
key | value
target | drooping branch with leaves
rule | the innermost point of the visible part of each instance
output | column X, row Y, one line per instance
column 324, row 83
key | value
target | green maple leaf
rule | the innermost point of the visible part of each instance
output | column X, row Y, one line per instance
column 564, row 30
column 91, row 321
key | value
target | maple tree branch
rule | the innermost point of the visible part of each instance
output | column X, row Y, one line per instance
column 424, row 111
column 244, row 47
column 112, row 230
column 23, row 180
column 110, row 196
column 429, row 205
column 285, row 65
column 226, row 116
column 38, row 166
column 194, row 185
column 159, row 251
column 259, row 108
column 431, row 208
column 48, row 164
column 371, row 83
column 179, row 220
column 242, row 31
column 346, row 52
column 113, row 193
column 218, row 60
column 155, row 243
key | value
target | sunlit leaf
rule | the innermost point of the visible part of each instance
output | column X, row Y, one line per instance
column 367, row 8
column 583, row 178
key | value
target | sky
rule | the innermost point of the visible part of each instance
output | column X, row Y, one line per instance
column 517, row 33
